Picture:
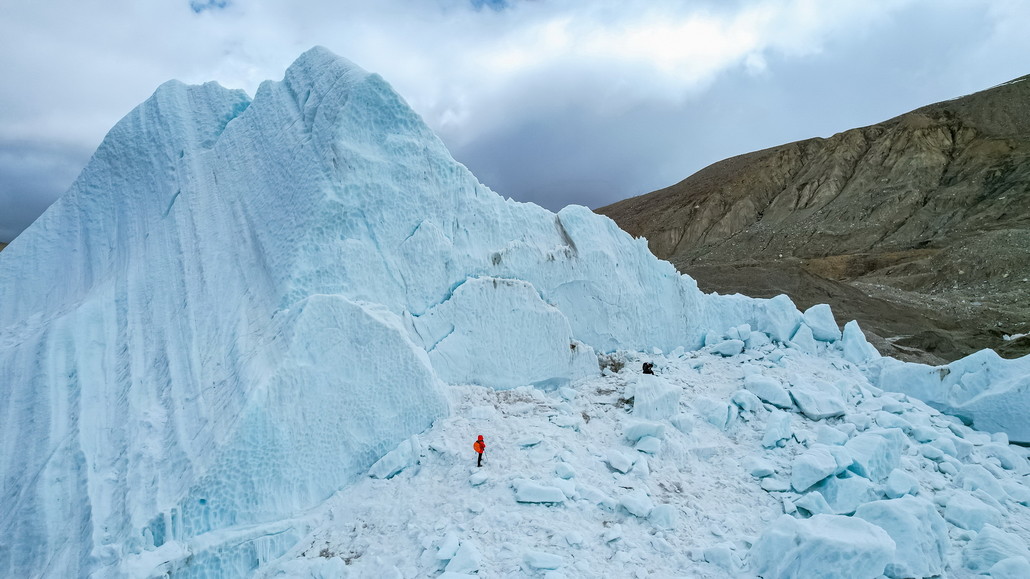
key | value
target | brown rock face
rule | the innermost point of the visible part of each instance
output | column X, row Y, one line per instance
column 918, row 227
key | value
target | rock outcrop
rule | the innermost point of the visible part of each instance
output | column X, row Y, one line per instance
column 919, row 227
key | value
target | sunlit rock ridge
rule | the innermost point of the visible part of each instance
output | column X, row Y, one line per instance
column 241, row 304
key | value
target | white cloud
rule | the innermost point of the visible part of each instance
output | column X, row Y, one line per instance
column 448, row 60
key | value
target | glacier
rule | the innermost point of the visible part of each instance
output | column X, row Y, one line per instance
column 243, row 304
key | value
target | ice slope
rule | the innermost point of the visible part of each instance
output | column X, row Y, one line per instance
column 241, row 305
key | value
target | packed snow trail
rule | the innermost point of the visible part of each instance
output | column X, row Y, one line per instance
column 241, row 305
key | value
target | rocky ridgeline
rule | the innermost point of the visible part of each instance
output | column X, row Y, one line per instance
column 917, row 226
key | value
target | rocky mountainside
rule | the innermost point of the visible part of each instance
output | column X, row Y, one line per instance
column 918, row 227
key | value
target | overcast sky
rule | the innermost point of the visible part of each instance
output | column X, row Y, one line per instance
column 551, row 101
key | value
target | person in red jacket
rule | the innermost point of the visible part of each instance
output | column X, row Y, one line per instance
column 480, row 446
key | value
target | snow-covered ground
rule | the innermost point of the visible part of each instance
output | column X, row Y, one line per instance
column 243, row 307
column 674, row 475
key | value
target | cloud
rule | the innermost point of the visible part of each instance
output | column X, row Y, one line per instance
column 34, row 175
column 199, row 6
column 555, row 101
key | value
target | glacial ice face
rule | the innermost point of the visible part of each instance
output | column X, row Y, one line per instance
column 822, row 546
column 465, row 346
column 988, row 391
column 217, row 324
column 117, row 365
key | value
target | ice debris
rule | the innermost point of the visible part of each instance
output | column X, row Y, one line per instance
column 822, row 546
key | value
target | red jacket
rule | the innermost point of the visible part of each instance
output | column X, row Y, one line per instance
column 479, row 445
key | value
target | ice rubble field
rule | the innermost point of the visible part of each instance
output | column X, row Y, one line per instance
column 690, row 473
column 242, row 305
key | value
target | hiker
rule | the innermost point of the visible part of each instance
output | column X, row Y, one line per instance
column 648, row 368
column 480, row 446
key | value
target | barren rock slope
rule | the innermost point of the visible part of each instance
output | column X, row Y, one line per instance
column 919, row 227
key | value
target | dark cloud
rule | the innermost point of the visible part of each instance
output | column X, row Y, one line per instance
column 574, row 156
column 34, row 175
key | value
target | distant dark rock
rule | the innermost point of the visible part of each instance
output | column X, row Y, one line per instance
column 918, row 227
